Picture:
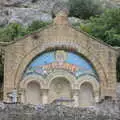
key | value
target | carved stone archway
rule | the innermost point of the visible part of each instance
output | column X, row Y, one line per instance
column 94, row 83
column 33, row 93
column 25, row 88
column 39, row 79
column 60, row 76
column 61, row 73
column 38, row 50
column 89, row 56
column 86, row 95
column 60, row 88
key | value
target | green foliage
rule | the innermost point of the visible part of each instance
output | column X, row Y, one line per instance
column 106, row 26
column 36, row 25
column 11, row 32
column 15, row 30
column 85, row 8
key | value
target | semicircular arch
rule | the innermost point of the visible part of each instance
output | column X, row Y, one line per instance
column 89, row 79
column 69, row 77
column 36, row 51
column 32, row 78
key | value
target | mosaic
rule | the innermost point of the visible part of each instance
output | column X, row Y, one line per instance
column 55, row 60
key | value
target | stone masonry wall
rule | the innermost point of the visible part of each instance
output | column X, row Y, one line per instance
column 60, row 35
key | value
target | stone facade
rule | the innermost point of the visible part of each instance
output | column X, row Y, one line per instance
column 60, row 36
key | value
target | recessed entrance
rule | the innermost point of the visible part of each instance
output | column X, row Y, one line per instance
column 33, row 94
column 86, row 95
column 59, row 88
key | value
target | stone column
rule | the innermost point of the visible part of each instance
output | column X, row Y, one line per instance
column 76, row 97
column 21, row 96
column 97, row 97
column 45, row 96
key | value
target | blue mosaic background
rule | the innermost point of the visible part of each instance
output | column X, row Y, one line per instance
column 36, row 66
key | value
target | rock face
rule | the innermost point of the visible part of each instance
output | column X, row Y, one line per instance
column 55, row 112
column 27, row 15
column 26, row 11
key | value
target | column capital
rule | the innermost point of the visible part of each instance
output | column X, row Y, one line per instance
column 21, row 90
column 45, row 91
column 75, row 91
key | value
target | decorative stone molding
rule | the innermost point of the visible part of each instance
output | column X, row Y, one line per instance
column 61, row 36
column 97, row 65
column 95, row 84
column 61, row 73
column 32, row 78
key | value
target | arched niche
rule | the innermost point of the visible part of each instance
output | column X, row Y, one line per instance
column 33, row 93
column 25, row 91
column 86, row 95
column 60, row 88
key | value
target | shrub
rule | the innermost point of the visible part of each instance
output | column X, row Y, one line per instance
column 85, row 8
column 15, row 30
column 106, row 26
column 36, row 25
column 11, row 32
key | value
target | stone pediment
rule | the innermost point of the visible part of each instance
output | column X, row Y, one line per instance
column 63, row 38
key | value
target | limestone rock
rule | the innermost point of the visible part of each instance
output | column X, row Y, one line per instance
column 12, row 2
column 56, row 112
column 27, row 15
column 3, row 21
column 26, row 11
column 74, row 20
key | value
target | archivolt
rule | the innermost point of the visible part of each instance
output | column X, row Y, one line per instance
column 36, row 51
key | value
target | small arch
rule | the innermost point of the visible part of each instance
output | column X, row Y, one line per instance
column 94, row 83
column 91, row 80
column 61, row 73
column 36, row 78
column 33, row 93
column 86, row 95
column 60, row 88
column 38, row 84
